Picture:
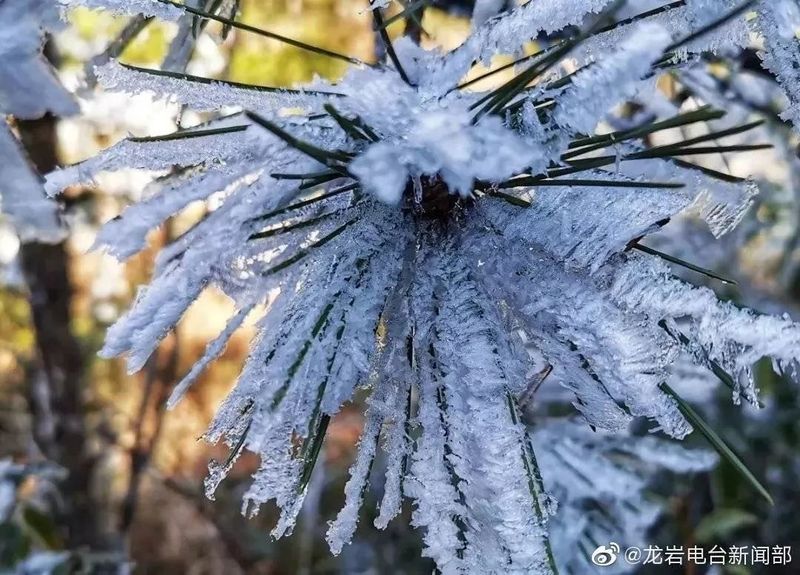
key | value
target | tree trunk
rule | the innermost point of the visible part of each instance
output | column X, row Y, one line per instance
column 56, row 392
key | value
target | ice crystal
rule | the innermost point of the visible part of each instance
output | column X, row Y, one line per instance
column 615, row 509
column 163, row 10
column 428, row 243
column 779, row 23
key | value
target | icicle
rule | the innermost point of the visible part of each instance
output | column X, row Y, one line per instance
column 341, row 530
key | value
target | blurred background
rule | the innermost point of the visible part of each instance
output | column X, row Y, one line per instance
column 123, row 480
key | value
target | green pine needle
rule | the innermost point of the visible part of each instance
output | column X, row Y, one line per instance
column 287, row 227
column 236, row 85
column 311, row 450
column 356, row 128
column 676, row 150
column 731, row 179
column 199, row 24
column 188, row 134
column 717, row 442
column 291, row 227
column 264, row 33
column 713, row 136
column 535, row 482
column 409, row 11
column 536, row 181
column 306, row 202
column 303, row 252
column 306, row 176
column 582, row 146
column 672, row 259
column 496, row 100
column 513, row 200
column 716, row 368
column 711, row 26
column 327, row 157
column 387, row 42
column 609, row 28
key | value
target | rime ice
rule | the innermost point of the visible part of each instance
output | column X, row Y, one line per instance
column 425, row 242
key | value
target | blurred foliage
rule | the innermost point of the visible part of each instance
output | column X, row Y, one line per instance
column 330, row 24
column 15, row 326
column 29, row 532
column 149, row 46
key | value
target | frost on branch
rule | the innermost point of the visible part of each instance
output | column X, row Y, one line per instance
column 23, row 72
column 162, row 10
column 595, row 90
column 779, row 24
column 200, row 95
column 430, row 245
column 616, row 508
column 21, row 190
column 447, row 144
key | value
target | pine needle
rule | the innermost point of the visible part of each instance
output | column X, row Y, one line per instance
column 302, row 253
column 497, row 99
column 327, row 157
column 715, row 367
column 356, row 129
column 264, row 33
column 725, row 451
column 535, row 482
column 227, row 83
column 307, row 202
column 409, row 11
column 535, row 181
column 292, row 227
column 188, row 134
column 710, row 27
column 609, row 28
column 690, row 266
column 582, row 146
column 387, row 42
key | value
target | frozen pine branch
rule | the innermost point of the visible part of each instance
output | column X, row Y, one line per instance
column 428, row 238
